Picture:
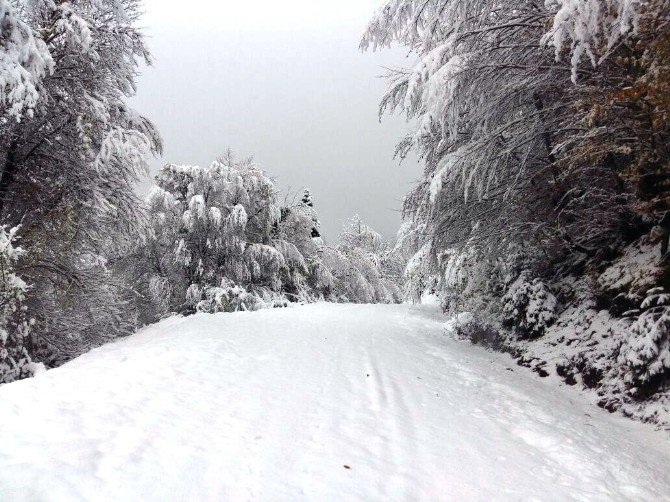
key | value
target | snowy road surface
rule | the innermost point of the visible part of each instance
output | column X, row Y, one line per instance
column 323, row 402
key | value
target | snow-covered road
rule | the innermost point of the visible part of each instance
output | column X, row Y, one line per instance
column 323, row 402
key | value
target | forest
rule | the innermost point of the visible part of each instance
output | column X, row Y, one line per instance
column 540, row 222
column 543, row 209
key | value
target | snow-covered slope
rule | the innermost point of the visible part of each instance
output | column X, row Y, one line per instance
column 323, row 402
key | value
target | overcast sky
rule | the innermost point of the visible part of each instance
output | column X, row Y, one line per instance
column 284, row 82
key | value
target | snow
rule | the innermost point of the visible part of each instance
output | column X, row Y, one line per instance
column 584, row 23
column 529, row 305
column 24, row 62
column 272, row 405
column 637, row 269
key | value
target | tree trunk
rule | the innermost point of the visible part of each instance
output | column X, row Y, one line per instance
column 7, row 176
column 546, row 135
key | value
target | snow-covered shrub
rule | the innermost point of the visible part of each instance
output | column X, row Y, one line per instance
column 645, row 352
column 321, row 278
column 15, row 362
column 234, row 298
column 467, row 326
column 159, row 292
column 529, row 306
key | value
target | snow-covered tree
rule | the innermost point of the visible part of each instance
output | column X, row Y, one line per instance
column 544, row 131
column 645, row 353
column 486, row 139
column 621, row 113
column 529, row 306
column 512, row 154
column 362, row 265
column 71, row 151
column 298, row 236
column 307, row 205
column 219, row 241
column 212, row 228
column 591, row 28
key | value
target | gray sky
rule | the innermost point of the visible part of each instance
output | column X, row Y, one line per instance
column 284, row 82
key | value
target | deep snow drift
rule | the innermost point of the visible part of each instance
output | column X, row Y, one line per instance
column 322, row 402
